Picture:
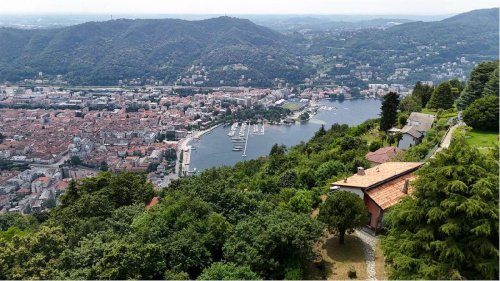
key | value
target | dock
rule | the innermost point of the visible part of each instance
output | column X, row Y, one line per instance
column 186, row 160
column 246, row 142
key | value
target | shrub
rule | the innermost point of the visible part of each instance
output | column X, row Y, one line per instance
column 482, row 114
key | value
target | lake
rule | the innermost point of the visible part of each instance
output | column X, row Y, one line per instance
column 214, row 149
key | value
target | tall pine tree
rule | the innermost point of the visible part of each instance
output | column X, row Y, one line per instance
column 389, row 111
column 422, row 92
column 491, row 87
column 479, row 76
column 448, row 228
column 442, row 97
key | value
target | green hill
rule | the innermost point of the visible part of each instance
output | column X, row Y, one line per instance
column 103, row 52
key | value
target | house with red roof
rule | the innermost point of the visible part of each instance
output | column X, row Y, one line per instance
column 380, row 187
column 382, row 155
column 153, row 202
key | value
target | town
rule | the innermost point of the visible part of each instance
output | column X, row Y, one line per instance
column 52, row 134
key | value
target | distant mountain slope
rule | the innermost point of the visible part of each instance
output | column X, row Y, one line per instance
column 475, row 32
column 227, row 49
column 463, row 26
column 103, row 52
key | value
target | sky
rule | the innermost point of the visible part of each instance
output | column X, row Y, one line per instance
column 234, row 7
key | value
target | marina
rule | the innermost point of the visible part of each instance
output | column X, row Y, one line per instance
column 240, row 142
column 216, row 149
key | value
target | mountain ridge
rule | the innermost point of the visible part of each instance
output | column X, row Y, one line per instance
column 101, row 53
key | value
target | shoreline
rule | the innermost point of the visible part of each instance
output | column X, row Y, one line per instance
column 185, row 148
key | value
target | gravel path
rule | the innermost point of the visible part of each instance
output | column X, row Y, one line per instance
column 369, row 245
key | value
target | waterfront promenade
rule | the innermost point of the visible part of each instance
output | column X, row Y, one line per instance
column 184, row 149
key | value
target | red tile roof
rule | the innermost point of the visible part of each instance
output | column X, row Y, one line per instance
column 62, row 185
column 379, row 175
column 153, row 202
column 382, row 155
column 24, row 191
column 390, row 193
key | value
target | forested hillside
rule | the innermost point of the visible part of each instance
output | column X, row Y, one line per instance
column 227, row 49
column 104, row 52
column 252, row 220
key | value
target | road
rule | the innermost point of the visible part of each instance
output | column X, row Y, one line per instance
column 369, row 245
column 54, row 165
column 445, row 143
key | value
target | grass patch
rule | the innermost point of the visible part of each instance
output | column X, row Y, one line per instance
column 380, row 263
column 444, row 114
column 372, row 135
column 339, row 259
column 482, row 138
column 448, row 115
column 429, row 111
column 292, row 106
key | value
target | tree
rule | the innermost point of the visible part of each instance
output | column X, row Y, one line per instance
column 448, row 228
column 75, row 161
column 23, row 222
column 442, row 97
column 104, row 166
column 301, row 202
column 35, row 256
column 374, row 145
column 402, row 118
column 106, row 255
column 479, row 77
column 482, row 114
column 190, row 232
column 342, row 212
column 278, row 149
column 71, row 193
column 350, row 143
column 459, row 85
column 410, row 104
column 304, row 116
column 422, row 93
column 491, row 87
column 152, row 167
column 389, row 111
column 228, row 271
column 288, row 179
column 329, row 169
column 87, row 203
column 268, row 241
column 320, row 132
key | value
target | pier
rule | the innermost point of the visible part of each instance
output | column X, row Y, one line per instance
column 186, row 160
column 246, row 142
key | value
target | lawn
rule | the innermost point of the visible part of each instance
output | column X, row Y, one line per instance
column 446, row 114
column 482, row 138
column 380, row 263
column 292, row 106
column 428, row 111
column 338, row 259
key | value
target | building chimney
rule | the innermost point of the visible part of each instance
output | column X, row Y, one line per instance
column 361, row 171
column 405, row 187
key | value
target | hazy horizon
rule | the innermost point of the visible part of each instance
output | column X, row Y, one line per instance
column 242, row 7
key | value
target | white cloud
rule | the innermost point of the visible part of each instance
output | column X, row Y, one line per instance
column 244, row 6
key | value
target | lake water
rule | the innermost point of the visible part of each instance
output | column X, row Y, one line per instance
column 215, row 148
